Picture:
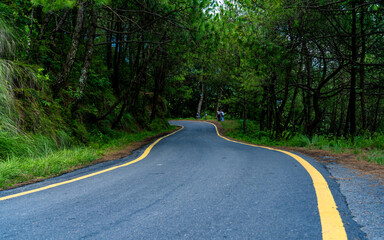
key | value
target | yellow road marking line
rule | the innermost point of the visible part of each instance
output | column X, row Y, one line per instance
column 331, row 223
column 144, row 155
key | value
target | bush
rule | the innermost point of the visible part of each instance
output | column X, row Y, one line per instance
column 158, row 124
column 299, row 140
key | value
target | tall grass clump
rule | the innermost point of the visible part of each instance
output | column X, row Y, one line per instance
column 8, row 116
column 19, row 144
column 16, row 76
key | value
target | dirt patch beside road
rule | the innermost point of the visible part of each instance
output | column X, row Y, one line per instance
column 348, row 160
column 127, row 150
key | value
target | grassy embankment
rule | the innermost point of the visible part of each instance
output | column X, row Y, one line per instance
column 369, row 148
column 29, row 158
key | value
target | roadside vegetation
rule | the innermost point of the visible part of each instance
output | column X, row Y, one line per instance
column 27, row 159
column 367, row 147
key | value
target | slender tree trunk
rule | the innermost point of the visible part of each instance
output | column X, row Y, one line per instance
column 88, row 53
column 218, row 100
column 362, row 72
column 280, row 109
column 109, row 46
column 66, row 69
column 263, row 111
column 272, row 106
column 244, row 116
column 201, row 93
column 155, row 95
column 350, row 125
column 291, row 109
column 318, row 113
column 118, row 119
column 116, row 63
column 332, row 127
column 341, row 120
column 374, row 127
column 159, row 82
column 307, row 93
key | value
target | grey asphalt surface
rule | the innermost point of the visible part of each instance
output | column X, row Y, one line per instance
column 192, row 185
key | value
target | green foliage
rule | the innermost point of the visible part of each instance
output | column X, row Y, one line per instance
column 37, row 157
column 368, row 147
column 299, row 140
column 158, row 124
column 55, row 5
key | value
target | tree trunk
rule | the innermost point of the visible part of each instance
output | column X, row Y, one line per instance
column 374, row 126
column 159, row 82
column 71, row 55
column 118, row 119
column 109, row 46
column 201, row 93
column 88, row 54
column 350, row 125
column 318, row 113
column 362, row 72
column 263, row 112
column 280, row 109
column 272, row 106
column 245, row 116
column 341, row 120
column 291, row 109
column 332, row 125
column 307, row 93
column 218, row 100
column 116, row 63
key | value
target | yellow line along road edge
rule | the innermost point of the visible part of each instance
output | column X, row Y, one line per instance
column 144, row 155
column 331, row 222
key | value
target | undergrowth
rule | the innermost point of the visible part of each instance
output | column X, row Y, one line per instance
column 29, row 158
column 369, row 147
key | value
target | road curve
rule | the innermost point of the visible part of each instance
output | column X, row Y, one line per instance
column 191, row 185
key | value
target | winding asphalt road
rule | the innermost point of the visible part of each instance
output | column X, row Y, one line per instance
column 192, row 185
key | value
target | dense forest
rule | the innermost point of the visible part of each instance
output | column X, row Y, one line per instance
column 74, row 71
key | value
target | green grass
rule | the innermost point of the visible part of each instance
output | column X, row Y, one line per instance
column 16, row 170
column 27, row 158
column 367, row 147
